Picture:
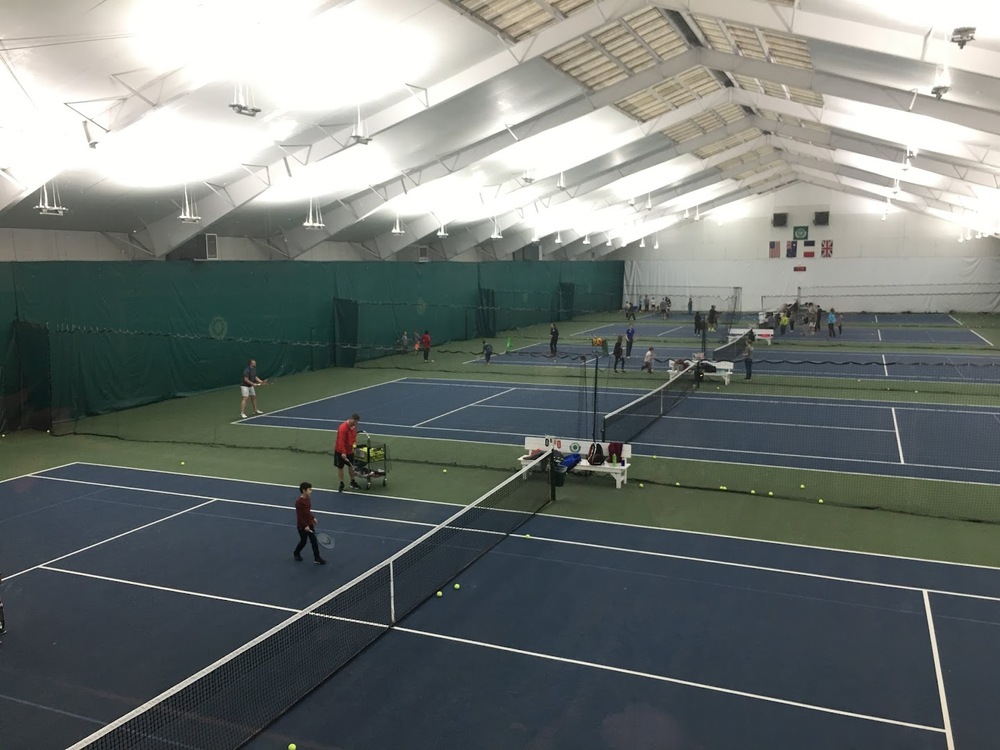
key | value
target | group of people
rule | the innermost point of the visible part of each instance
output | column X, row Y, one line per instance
column 343, row 456
column 664, row 306
column 814, row 316
column 421, row 343
column 708, row 322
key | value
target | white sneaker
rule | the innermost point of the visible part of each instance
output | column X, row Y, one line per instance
column 258, row 412
column 243, row 416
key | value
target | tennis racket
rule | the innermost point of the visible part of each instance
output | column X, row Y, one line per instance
column 325, row 540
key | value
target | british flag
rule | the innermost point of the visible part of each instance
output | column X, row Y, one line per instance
column 826, row 249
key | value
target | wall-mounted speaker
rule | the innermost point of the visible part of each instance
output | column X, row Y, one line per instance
column 821, row 219
column 779, row 220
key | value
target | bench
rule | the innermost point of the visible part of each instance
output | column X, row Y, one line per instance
column 765, row 334
column 566, row 446
column 723, row 370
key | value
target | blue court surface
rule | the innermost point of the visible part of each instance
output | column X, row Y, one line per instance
column 888, row 334
column 122, row 583
column 712, row 425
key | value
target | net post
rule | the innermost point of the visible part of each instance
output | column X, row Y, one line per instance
column 392, row 591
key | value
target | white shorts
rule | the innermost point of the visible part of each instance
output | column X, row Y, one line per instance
column 247, row 390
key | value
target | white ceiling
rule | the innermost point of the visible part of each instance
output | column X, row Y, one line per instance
column 526, row 118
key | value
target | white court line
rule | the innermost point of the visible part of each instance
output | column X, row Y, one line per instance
column 109, row 539
column 663, row 678
column 317, row 400
column 879, row 332
column 988, row 342
column 569, row 518
column 899, row 441
column 956, row 320
column 463, row 407
column 677, row 328
column 168, row 589
column 938, row 672
column 876, row 318
column 885, row 366
column 50, row 709
column 286, row 508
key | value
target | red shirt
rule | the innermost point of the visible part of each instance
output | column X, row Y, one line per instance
column 425, row 341
column 347, row 436
column 303, row 513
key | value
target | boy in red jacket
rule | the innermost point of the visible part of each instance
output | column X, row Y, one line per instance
column 306, row 524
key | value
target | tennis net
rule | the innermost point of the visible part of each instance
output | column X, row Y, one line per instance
column 732, row 351
column 229, row 702
column 626, row 423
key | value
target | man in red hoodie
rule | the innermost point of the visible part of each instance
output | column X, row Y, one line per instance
column 306, row 524
column 343, row 450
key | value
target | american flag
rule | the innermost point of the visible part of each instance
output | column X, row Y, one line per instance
column 791, row 249
column 774, row 249
column 826, row 249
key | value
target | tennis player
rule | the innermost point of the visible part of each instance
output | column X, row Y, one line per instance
column 248, row 390
column 647, row 361
column 306, row 524
column 343, row 450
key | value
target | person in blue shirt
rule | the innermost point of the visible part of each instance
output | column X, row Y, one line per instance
column 831, row 321
column 629, row 339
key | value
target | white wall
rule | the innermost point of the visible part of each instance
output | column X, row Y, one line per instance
column 907, row 262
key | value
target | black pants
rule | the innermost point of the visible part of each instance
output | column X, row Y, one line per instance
column 831, row 334
column 311, row 538
column 628, row 348
column 619, row 358
column 748, row 366
column 553, row 344
column 427, row 353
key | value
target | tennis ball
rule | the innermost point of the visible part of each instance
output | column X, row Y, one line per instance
column 802, row 486
column 677, row 484
column 3, row 435
column 821, row 501
column 641, row 485
column 182, row 463
column 291, row 746
column 722, row 486
column 527, row 536
column 444, row 471
column 770, row 494
column 439, row 594
column 457, row 587
column 753, row 492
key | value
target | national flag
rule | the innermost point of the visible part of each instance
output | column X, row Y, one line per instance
column 791, row 249
column 774, row 249
column 809, row 254
column 826, row 249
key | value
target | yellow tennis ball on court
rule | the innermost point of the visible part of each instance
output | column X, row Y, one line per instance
column 677, row 484
column 439, row 594
column 291, row 746
column 527, row 536
column 722, row 486
column 753, row 492
column 821, row 501
column 770, row 494
column 641, row 485
column 444, row 471
column 457, row 587
column 182, row 463
column 802, row 486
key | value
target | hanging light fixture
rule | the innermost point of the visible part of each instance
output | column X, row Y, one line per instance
column 697, row 213
column 631, row 201
column 360, row 134
column 687, row 213
column 243, row 101
column 608, row 235
column 443, row 231
column 189, row 211
column 314, row 219
column 649, row 201
column 397, row 228
column 497, row 234
column 558, row 237
column 642, row 242
column 562, row 182
column 656, row 243
column 586, row 240
column 49, row 202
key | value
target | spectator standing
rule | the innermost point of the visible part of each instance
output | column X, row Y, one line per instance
column 784, row 323
column 404, row 342
column 713, row 319
column 840, row 324
column 697, row 323
column 646, row 309
column 748, row 360
column 831, row 321
column 629, row 339
column 619, row 354
column 553, row 340
column 669, row 305
column 425, row 344
column 690, row 305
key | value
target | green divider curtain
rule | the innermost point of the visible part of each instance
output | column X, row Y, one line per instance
column 345, row 332
column 486, row 314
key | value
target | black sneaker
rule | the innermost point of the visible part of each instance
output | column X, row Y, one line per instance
column 319, row 561
column 298, row 558
column 355, row 486
column 341, row 488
